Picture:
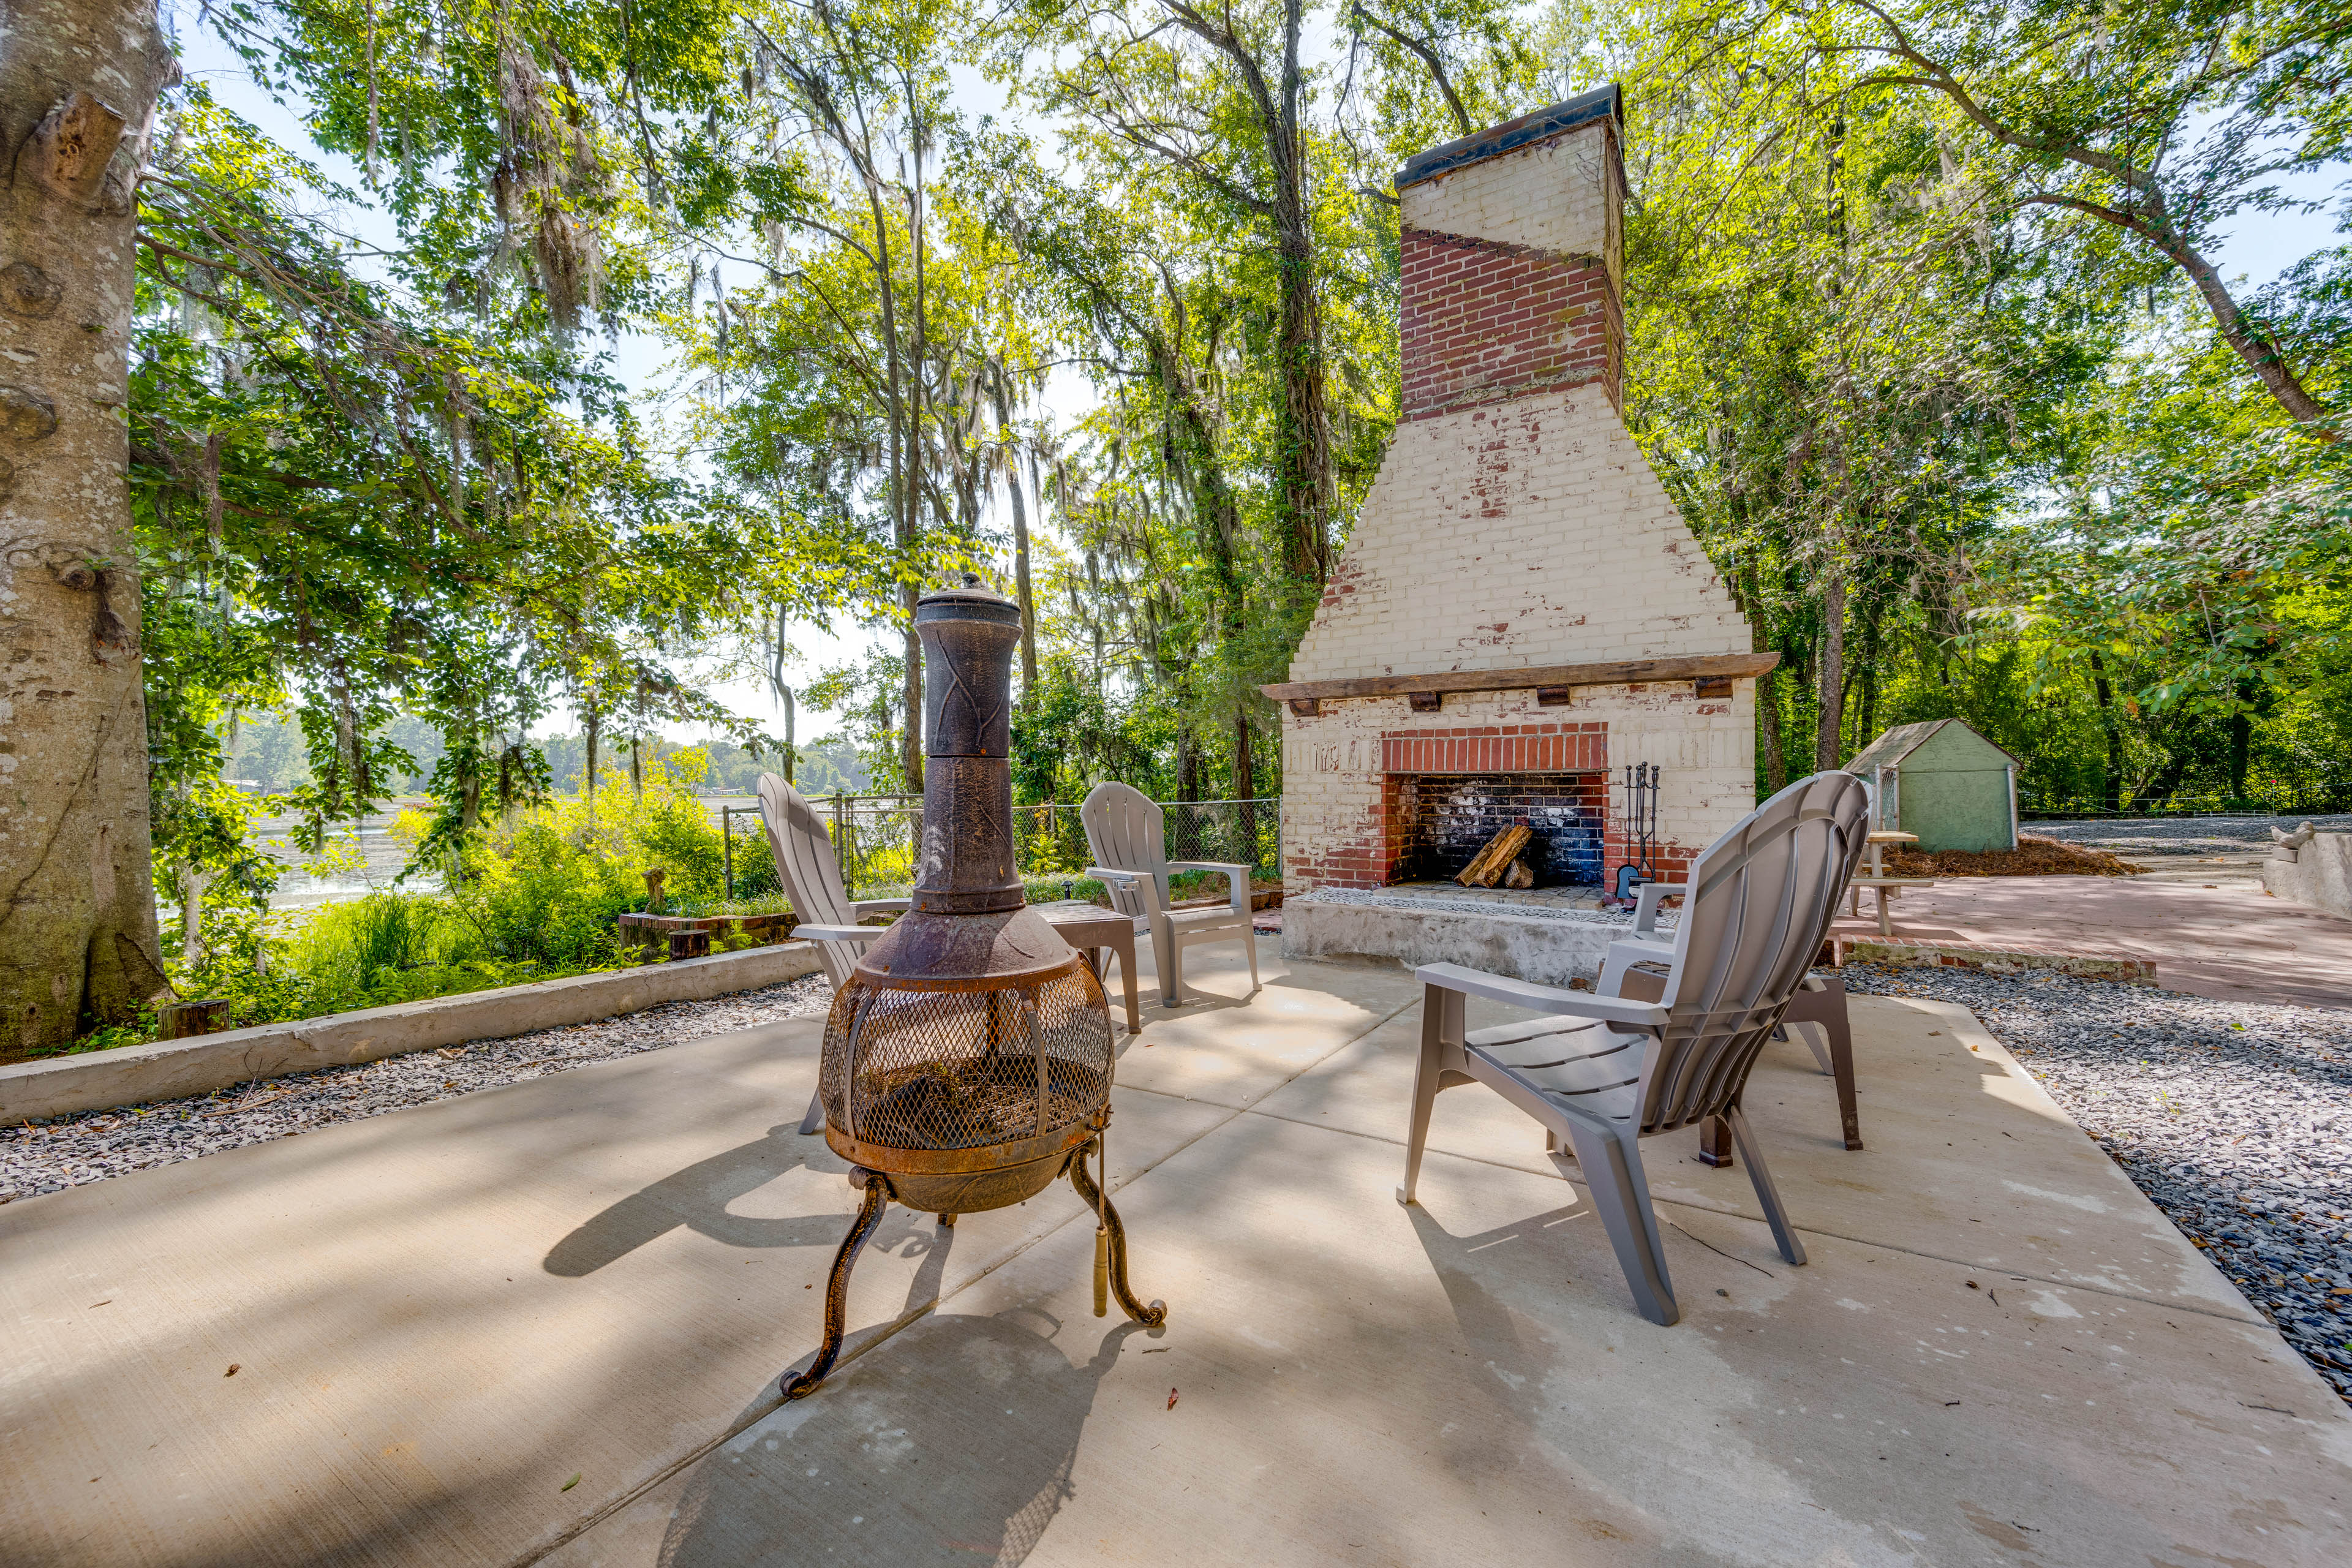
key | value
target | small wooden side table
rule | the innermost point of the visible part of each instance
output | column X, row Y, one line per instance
column 1090, row 928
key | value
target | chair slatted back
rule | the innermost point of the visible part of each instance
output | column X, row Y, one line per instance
column 1761, row 899
column 806, row 866
column 1126, row 831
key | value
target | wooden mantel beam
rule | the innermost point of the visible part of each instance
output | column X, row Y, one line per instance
column 1619, row 672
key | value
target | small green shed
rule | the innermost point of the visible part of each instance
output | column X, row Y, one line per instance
column 1944, row 782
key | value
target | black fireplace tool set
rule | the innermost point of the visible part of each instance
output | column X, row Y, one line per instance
column 1641, row 827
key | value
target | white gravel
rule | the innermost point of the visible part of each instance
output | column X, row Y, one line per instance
column 47, row 1156
column 2175, row 834
column 2231, row 1116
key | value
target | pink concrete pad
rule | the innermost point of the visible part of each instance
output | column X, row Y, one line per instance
column 2232, row 943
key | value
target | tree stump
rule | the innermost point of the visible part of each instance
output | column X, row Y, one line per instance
column 186, row 1020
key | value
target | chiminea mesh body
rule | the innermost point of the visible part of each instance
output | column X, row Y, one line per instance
column 968, row 1061
column 969, row 1099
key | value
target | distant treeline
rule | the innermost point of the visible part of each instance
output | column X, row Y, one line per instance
column 268, row 757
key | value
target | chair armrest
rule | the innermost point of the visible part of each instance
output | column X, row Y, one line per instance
column 861, row 908
column 1236, row 878
column 1142, row 882
column 1542, row 998
column 1646, row 899
column 838, row 933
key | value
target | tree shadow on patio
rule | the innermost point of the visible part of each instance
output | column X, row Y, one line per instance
column 953, row 1444
column 697, row 1196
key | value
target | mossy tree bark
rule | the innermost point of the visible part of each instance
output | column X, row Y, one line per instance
column 78, row 80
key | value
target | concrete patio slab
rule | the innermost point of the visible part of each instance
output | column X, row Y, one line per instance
column 442, row 1316
column 1461, row 1382
column 1995, row 1190
column 445, row 1301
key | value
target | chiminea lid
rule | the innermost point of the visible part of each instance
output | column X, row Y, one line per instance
column 966, row 601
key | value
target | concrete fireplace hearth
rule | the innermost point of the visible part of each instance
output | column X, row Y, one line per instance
column 1520, row 612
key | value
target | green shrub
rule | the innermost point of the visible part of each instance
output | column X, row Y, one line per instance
column 534, row 895
column 547, row 885
column 351, row 949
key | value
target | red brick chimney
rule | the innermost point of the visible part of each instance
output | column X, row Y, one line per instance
column 1512, row 272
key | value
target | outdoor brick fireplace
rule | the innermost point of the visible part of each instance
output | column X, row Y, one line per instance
column 1520, row 611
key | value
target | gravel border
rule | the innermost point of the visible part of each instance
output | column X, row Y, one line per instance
column 2231, row 1116
column 50, row 1154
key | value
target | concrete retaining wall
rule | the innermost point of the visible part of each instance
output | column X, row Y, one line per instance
column 1547, row 952
column 169, row 1070
column 2320, row 875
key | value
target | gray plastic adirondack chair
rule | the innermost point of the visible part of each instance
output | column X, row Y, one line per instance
column 812, row 879
column 1126, row 835
column 1602, row 1073
column 1819, row 1001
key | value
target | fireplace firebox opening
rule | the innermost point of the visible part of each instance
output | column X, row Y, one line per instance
column 1443, row 820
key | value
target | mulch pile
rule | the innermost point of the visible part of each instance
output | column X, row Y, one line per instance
column 2033, row 857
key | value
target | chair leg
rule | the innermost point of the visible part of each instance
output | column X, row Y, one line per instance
column 1443, row 1014
column 815, row 1121
column 1714, row 1143
column 1612, row 1174
column 1819, row 1049
column 1785, row 1233
column 1172, row 968
column 1249, row 945
column 1840, row 1029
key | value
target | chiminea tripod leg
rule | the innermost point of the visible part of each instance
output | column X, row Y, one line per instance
column 1151, row 1317
column 837, row 1288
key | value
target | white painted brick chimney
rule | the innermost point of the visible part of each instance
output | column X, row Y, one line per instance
column 1514, row 524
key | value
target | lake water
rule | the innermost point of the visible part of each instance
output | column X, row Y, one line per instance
column 385, row 854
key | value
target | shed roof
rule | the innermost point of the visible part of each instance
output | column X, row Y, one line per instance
column 1890, row 749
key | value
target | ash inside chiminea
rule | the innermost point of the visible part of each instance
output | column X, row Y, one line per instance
column 968, row 1062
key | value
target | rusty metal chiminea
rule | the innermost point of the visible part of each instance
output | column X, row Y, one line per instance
column 968, row 1061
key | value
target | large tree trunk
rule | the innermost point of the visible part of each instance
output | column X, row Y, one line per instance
column 2111, row 785
column 1020, row 535
column 1302, row 434
column 594, row 725
column 78, row 939
column 1829, row 722
column 1246, row 776
column 1768, row 715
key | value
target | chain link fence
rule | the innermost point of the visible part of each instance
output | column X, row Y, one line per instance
column 2274, row 797
column 875, row 837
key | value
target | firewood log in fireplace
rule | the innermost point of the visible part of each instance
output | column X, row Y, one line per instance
column 1488, row 864
column 1518, row 875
